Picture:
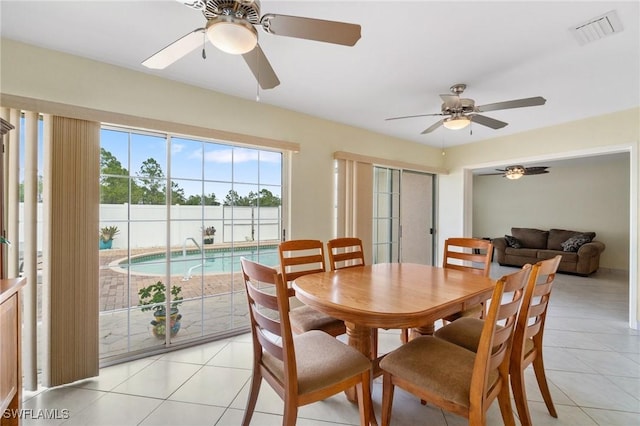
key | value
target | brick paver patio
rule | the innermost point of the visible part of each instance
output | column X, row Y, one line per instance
column 122, row 330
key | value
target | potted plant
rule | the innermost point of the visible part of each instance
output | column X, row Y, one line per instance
column 209, row 234
column 153, row 298
column 106, row 236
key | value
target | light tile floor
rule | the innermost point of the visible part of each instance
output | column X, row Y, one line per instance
column 592, row 359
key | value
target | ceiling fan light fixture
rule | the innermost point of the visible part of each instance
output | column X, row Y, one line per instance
column 514, row 172
column 232, row 35
column 456, row 122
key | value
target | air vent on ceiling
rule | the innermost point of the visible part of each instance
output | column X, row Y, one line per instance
column 598, row 28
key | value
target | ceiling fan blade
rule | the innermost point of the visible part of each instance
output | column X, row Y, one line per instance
column 433, row 127
column 535, row 170
column 311, row 29
column 412, row 116
column 176, row 50
column 517, row 103
column 487, row 121
column 261, row 68
column 194, row 4
column 451, row 101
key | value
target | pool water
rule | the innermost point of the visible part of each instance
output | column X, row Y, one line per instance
column 196, row 263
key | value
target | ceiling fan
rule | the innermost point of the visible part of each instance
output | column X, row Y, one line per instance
column 230, row 27
column 516, row 172
column 460, row 112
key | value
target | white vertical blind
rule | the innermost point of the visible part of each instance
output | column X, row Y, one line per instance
column 355, row 202
column 12, row 155
column 30, row 252
column 71, row 250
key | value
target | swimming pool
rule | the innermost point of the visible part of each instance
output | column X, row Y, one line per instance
column 194, row 262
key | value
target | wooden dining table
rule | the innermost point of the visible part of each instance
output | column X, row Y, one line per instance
column 390, row 296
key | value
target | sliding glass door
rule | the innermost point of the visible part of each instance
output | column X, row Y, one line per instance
column 402, row 216
column 185, row 211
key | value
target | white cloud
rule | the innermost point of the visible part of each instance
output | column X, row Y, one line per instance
column 241, row 155
column 176, row 147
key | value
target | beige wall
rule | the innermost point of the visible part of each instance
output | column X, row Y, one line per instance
column 619, row 132
column 37, row 73
column 592, row 197
column 42, row 74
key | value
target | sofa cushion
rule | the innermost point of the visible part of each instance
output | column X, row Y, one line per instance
column 531, row 238
column 575, row 242
column 512, row 241
column 559, row 236
column 550, row 254
column 522, row 252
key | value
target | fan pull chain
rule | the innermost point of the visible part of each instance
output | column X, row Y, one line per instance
column 204, row 43
column 258, row 79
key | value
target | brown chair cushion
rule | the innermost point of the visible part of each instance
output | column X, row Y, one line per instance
column 435, row 365
column 531, row 238
column 305, row 318
column 321, row 361
column 464, row 332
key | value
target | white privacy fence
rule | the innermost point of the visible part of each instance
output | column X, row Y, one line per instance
column 146, row 225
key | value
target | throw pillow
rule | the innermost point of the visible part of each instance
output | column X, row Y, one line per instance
column 575, row 242
column 512, row 241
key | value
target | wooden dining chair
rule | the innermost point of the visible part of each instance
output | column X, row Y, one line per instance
column 527, row 339
column 456, row 379
column 302, row 369
column 470, row 255
column 347, row 252
column 298, row 258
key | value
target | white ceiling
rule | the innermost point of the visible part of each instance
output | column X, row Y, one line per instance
column 409, row 53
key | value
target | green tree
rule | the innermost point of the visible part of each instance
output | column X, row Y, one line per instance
column 40, row 189
column 114, row 180
column 232, row 199
column 211, row 200
column 267, row 199
column 196, row 200
column 177, row 194
column 152, row 182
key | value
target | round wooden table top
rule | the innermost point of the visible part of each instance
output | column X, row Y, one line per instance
column 392, row 295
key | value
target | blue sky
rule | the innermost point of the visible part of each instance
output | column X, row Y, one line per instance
column 192, row 161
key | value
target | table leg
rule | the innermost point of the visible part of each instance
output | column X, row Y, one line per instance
column 425, row 330
column 359, row 337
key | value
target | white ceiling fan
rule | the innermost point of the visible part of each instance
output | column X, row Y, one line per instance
column 230, row 26
column 517, row 171
column 460, row 112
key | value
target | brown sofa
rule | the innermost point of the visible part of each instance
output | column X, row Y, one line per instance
column 580, row 254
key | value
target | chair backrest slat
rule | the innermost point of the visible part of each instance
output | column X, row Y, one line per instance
column 465, row 254
column 300, row 257
column 269, row 312
column 535, row 302
column 345, row 252
column 497, row 336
